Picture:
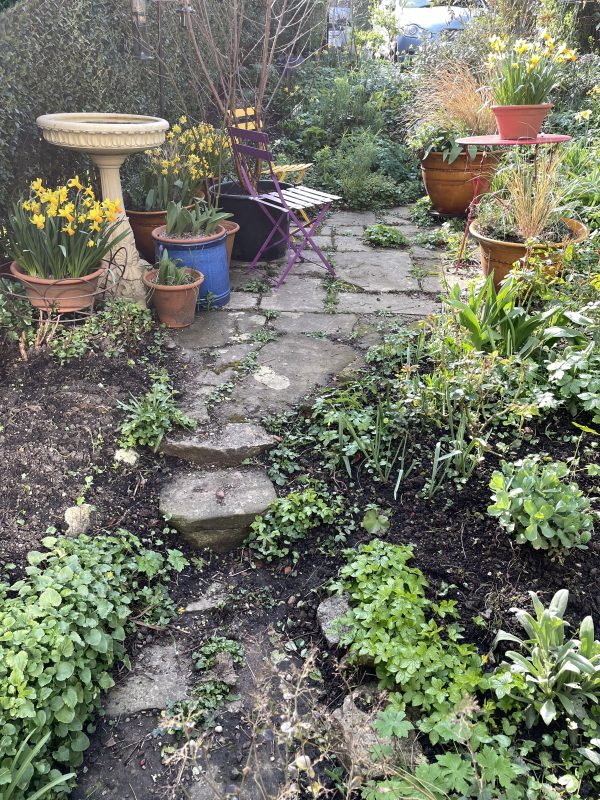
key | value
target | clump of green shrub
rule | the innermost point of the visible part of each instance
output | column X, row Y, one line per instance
column 288, row 519
column 114, row 330
column 431, row 668
column 62, row 630
column 384, row 236
column 152, row 416
column 533, row 502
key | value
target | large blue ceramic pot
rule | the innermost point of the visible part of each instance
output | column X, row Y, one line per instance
column 205, row 254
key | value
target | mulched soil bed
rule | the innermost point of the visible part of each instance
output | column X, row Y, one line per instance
column 58, row 425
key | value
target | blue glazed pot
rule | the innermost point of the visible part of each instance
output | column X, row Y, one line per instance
column 205, row 254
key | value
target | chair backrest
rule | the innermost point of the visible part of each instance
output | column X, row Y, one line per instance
column 247, row 147
column 244, row 118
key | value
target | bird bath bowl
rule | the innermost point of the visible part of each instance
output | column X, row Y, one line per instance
column 108, row 139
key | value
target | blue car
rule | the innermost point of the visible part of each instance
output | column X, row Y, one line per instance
column 419, row 20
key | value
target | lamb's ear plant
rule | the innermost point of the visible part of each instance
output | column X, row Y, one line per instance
column 535, row 504
column 559, row 677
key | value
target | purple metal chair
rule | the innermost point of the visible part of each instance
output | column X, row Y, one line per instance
column 252, row 148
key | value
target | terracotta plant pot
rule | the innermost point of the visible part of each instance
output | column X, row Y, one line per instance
column 60, row 296
column 143, row 223
column 498, row 257
column 175, row 305
column 205, row 254
column 451, row 186
column 231, row 228
column 520, row 122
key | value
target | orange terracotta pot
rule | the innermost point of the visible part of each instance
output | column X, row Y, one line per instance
column 231, row 228
column 175, row 305
column 520, row 122
column 498, row 257
column 451, row 186
column 60, row 296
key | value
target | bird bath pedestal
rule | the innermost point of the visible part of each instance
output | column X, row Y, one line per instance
column 108, row 139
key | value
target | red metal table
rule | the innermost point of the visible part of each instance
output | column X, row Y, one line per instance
column 486, row 143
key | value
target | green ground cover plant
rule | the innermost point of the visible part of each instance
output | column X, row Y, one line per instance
column 63, row 629
column 536, row 504
column 384, row 236
column 149, row 418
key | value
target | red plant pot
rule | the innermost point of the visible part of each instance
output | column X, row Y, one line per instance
column 520, row 122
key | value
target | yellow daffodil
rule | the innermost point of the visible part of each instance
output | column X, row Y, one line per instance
column 70, row 230
column 91, row 243
column 37, row 185
column 39, row 220
column 183, row 120
column 583, row 115
column 75, row 183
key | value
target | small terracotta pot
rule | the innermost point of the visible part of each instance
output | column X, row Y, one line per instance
column 231, row 229
column 451, row 186
column 175, row 305
column 498, row 257
column 520, row 122
column 60, row 296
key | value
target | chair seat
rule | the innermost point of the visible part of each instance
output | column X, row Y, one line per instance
column 298, row 198
column 284, row 170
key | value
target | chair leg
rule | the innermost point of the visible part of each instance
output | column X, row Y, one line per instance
column 306, row 241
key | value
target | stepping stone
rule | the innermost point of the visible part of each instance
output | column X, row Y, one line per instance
column 215, row 509
column 298, row 293
column 215, row 596
column 340, row 325
column 158, row 678
column 407, row 305
column 218, row 328
column 380, row 271
column 329, row 611
column 289, row 369
column 226, row 448
column 342, row 218
column 350, row 244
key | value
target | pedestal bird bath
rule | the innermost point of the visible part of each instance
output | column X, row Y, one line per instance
column 108, row 139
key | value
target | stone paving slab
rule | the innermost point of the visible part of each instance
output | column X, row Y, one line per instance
column 395, row 303
column 217, row 329
column 160, row 677
column 390, row 272
column 351, row 244
column 298, row 293
column 290, row 369
column 230, row 446
column 214, row 509
column 340, row 325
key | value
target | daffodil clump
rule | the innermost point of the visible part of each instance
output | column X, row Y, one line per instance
column 183, row 167
column 525, row 72
column 63, row 232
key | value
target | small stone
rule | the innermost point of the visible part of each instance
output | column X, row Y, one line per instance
column 214, row 597
column 287, row 570
column 218, row 729
column 292, row 601
column 79, row 519
column 127, row 456
column 328, row 614
column 220, row 494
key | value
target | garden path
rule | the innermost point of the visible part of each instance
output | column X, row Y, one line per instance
column 265, row 353
column 270, row 350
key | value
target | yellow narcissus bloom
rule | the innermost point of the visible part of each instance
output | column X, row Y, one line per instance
column 39, row 220
column 75, row 183
column 583, row 115
column 37, row 185
column 70, row 230
column 91, row 243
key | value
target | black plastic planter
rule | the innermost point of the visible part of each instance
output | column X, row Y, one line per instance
column 254, row 224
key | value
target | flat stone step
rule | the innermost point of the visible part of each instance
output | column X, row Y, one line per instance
column 215, row 509
column 228, row 447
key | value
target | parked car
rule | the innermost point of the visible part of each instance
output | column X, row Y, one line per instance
column 419, row 20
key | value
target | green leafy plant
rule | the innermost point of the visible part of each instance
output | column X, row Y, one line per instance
column 384, row 236
column 170, row 273
column 63, row 630
column 533, row 502
column 431, row 669
column 554, row 677
column 20, row 772
column 493, row 320
column 288, row 519
column 198, row 221
column 117, row 329
column 152, row 416
column 204, row 656
column 575, row 377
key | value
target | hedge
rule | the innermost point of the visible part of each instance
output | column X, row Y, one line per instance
column 75, row 56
